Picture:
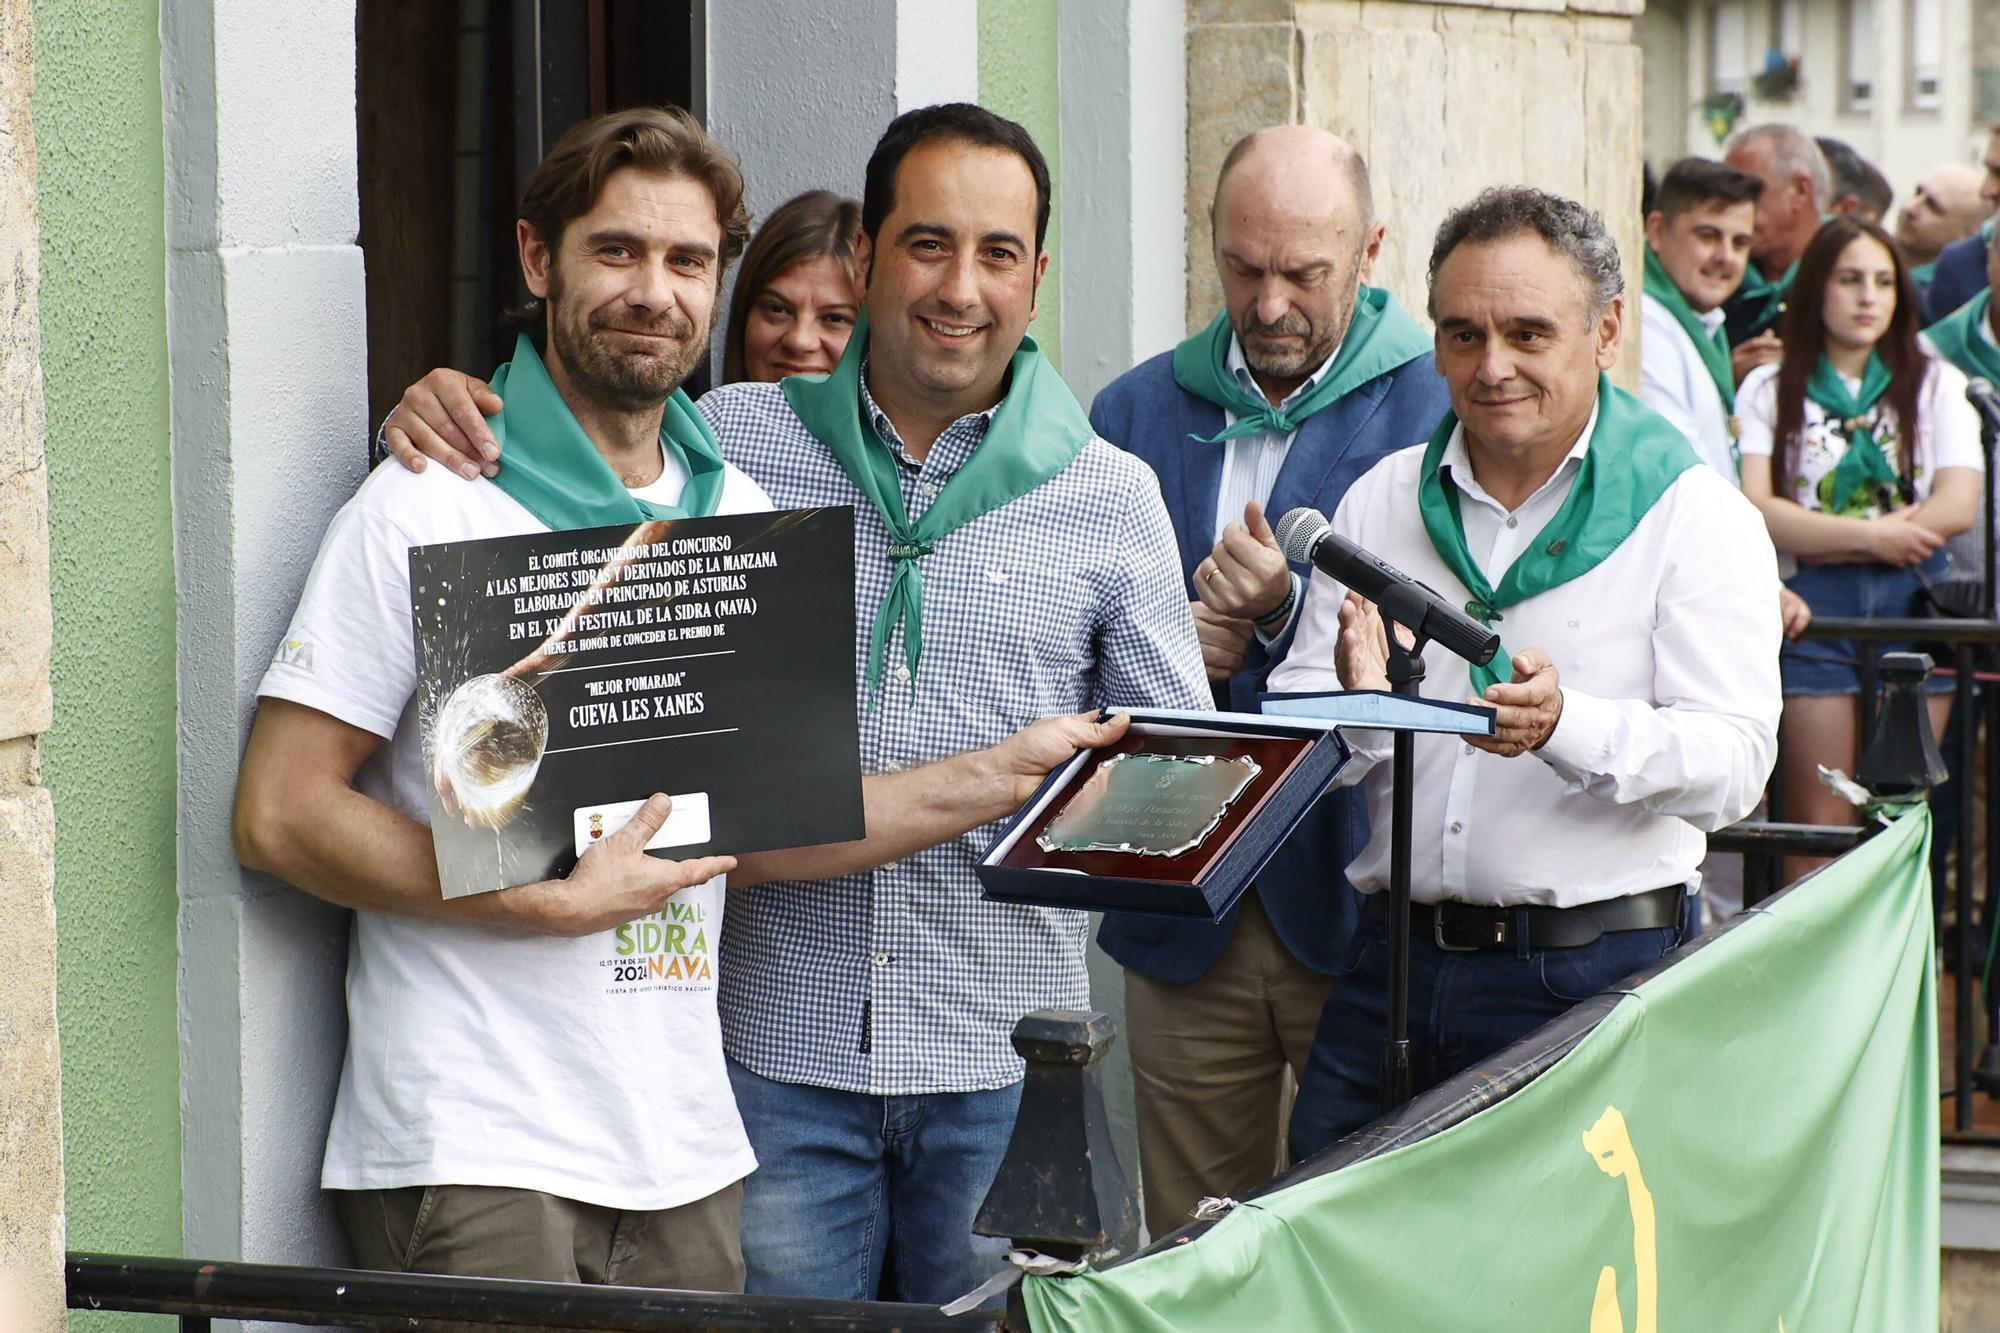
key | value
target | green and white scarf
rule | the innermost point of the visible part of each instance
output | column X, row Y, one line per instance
column 1634, row 455
column 1037, row 431
column 1864, row 463
column 1380, row 338
column 1960, row 338
column 559, row 476
column 1712, row 345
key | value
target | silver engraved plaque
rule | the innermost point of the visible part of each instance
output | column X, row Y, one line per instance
column 1149, row 804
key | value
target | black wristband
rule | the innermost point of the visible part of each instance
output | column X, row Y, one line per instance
column 1283, row 609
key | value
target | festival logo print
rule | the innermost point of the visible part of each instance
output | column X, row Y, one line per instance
column 668, row 950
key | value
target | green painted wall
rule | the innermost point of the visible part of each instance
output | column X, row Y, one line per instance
column 110, row 757
column 1018, row 79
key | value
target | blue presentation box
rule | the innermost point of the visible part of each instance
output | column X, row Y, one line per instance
column 1215, row 891
column 1314, row 719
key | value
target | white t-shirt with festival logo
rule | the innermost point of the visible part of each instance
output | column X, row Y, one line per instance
column 587, row 1068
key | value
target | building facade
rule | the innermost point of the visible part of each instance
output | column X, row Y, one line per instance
column 1909, row 83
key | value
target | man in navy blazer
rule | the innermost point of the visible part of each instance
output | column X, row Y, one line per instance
column 1305, row 380
column 1960, row 272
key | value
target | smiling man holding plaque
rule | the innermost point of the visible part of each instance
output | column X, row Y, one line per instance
column 507, row 1108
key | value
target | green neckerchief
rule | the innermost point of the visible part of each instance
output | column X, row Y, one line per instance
column 558, row 475
column 1864, row 461
column 1380, row 338
column 1633, row 456
column 1712, row 345
column 1960, row 339
column 1036, row 432
column 1767, row 295
column 1922, row 274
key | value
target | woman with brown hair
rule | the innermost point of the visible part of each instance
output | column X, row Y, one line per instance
column 1861, row 452
column 797, row 293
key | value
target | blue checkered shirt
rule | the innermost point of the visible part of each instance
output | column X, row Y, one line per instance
column 903, row 980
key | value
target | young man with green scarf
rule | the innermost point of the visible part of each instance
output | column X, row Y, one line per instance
column 1636, row 594
column 1303, row 381
column 1697, row 244
column 503, row 1110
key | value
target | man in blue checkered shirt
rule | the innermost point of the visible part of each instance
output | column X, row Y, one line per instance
column 1008, row 565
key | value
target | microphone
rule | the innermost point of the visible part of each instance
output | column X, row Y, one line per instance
column 1985, row 400
column 1307, row 538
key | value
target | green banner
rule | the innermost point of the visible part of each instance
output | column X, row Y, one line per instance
column 1748, row 1141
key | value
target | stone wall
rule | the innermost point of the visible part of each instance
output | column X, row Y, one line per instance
column 31, row 1197
column 1443, row 99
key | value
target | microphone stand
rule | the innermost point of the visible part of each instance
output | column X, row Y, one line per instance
column 1400, row 606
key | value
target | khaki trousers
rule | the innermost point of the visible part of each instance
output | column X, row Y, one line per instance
column 1209, row 1066
column 489, row 1231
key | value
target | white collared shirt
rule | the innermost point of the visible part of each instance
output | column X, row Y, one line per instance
column 1251, row 463
column 1674, row 381
column 1668, row 655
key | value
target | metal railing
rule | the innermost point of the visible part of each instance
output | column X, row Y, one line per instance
column 198, row 1291
column 1960, row 647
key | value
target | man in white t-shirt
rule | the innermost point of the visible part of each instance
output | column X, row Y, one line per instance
column 1697, row 244
column 1698, row 240
column 505, row 1108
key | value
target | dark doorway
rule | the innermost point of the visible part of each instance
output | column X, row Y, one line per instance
column 457, row 103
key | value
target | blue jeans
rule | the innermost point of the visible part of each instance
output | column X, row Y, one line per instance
column 1864, row 591
column 847, row 1179
column 1464, row 1007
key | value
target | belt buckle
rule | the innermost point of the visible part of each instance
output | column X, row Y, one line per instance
column 1437, row 934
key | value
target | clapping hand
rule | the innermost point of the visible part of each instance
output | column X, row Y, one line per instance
column 1526, row 709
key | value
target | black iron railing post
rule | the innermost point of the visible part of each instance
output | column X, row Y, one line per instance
column 1060, row 1190
column 1968, row 1046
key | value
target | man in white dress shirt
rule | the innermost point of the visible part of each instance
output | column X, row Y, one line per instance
column 1637, row 691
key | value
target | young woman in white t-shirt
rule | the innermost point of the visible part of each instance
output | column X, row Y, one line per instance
column 1864, row 457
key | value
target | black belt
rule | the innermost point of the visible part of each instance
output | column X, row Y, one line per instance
column 1464, row 927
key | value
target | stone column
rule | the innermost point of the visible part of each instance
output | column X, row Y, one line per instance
column 1443, row 99
column 268, row 385
column 31, row 1179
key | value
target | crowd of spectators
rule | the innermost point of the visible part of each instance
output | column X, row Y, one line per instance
column 1833, row 369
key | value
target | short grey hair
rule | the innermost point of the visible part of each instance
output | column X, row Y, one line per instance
column 1794, row 153
column 1570, row 229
